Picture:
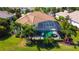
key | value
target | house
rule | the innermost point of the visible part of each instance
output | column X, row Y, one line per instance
column 74, row 17
column 5, row 14
column 34, row 18
column 43, row 23
column 64, row 14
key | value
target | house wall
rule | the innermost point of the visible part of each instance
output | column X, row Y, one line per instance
column 75, row 23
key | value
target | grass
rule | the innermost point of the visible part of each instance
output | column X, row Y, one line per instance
column 12, row 44
column 62, row 48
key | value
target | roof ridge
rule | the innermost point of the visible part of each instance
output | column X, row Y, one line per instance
column 35, row 17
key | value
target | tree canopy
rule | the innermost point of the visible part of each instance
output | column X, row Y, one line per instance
column 4, row 27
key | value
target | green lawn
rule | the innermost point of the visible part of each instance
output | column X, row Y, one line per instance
column 12, row 44
column 62, row 48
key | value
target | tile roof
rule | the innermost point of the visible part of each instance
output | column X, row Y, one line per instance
column 5, row 14
column 34, row 17
column 73, row 15
column 62, row 14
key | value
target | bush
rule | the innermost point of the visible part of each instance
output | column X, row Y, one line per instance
column 18, row 35
column 61, row 18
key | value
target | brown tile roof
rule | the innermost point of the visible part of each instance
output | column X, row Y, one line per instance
column 34, row 17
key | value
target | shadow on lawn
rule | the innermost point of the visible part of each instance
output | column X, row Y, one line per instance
column 40, row 44
column 5, row 37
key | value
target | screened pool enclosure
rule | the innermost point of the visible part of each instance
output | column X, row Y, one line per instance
column 47, row 28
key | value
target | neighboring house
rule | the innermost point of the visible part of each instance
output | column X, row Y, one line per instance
column 43, row 23
column 5, row 14
column 74, row 17
column 64, row 14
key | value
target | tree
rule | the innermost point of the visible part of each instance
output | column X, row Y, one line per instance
column 61, row 18
column 68, row 29
column 42, row 9
column 10, row 10
column 28, row 30
column 27, row 10
column 16, row 28
column 4, row 27
column 71, row 9
column 18, row 13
